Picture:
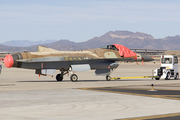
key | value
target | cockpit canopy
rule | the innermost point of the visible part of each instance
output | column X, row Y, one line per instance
column 123, row 51
column 112, row 47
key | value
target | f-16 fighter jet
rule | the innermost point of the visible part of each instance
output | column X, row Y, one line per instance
column 46, row 60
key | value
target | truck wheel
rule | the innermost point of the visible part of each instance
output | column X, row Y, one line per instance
column 168, row 76
column 157, row 78
column 176, row 76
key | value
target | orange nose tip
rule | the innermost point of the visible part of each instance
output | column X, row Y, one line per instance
column 8, row 61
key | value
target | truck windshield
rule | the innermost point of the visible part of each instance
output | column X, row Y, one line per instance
column 166, row 60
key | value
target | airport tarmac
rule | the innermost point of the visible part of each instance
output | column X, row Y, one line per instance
column 23, row 95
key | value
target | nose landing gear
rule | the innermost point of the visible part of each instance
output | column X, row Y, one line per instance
column 74, row 78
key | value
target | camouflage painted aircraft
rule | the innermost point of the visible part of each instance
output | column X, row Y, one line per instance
column 46, row 60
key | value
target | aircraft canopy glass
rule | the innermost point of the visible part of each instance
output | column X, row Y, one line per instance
column 112, row 47
column 123, row 51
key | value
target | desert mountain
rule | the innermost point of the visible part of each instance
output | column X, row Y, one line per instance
column 25, row 43
column 129, row 39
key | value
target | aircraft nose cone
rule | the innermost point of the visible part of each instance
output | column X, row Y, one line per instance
column 147, row 58
column 8, row 61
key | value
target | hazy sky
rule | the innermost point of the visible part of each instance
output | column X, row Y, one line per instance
column 81, row 20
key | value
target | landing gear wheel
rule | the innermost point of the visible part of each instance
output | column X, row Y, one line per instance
column 59, row 77
column 168, row 76
column 108, row 78
column 74, row 77
column 176, row 76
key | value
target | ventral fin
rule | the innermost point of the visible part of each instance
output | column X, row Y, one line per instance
column 45, row 49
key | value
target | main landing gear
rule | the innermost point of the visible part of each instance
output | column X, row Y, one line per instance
column 73, row 77
column 59, row 77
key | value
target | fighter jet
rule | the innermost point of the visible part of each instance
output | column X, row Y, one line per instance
column 45, row 61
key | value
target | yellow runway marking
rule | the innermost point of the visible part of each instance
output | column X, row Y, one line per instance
column 160, row 93
column 153, row 117
column 114, row 78
column 156, row 96
column 110, row 90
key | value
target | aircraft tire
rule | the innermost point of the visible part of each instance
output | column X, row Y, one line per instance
column 108, row 78
column 59, row 77
column 157, row 78
column 74, row 78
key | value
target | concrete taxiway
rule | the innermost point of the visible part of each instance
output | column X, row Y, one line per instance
column 23, row 95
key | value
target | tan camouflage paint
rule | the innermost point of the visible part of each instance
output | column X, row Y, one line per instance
column 98, row 53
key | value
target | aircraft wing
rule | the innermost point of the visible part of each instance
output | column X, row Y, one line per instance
column 61, row 59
